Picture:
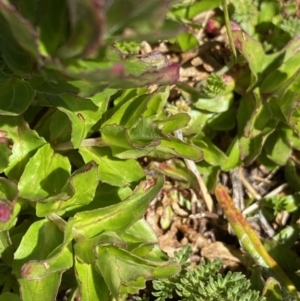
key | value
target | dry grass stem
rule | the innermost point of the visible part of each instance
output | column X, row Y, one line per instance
column 191, row 165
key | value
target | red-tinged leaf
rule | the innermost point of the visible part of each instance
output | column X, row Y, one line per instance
column 4, row 212
column 250, row 240
column 121, row 71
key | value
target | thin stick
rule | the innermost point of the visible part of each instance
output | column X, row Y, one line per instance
column 237, row 189
column 255, row 205
column 265, row 224
column 193, row 168
column 277, row 190
column 249, row 187
column 228, row 28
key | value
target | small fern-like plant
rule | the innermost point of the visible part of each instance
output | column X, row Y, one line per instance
column 291, row 26
column 214, row 85
column 204, row 283
column 244, row 10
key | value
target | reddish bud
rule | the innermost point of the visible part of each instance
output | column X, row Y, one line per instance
column 213, row 27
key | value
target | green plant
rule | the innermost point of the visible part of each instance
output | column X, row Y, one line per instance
column 204, row 282
column 264, row 116
column 70, row 222
column 76, row 116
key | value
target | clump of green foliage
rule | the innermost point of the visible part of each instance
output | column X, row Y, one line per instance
column 204, row 283
column 76, row 116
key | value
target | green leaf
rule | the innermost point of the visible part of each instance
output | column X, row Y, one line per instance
column 253, row 115
column 109, row 167
column 55, row 85
column 175, row 147
column 187, row 41
column 18, row 41
column 5, row 245
column 199, row 120
column 83, row 114
column 51, row 21
column 41, row 289
column 126, row 95
column 22, row 31
column 212, row 154
column 291, row 175
column 5, row 150
column 8, row 190
column 146, row 133
column 91, row 285
column 233, row 154
column 25, row 143
column 130, row 112
column 188, row 10
column 85, row 247
column 284, row 75
column 288, row 235
column 117, row 138
column 268, row 10
column 176, row 170
column 289, row 107
column 223, row 121
column 157, row 102
column 78, row 191
column 44, row 175
column 85, row 37
column 60, row 260
column 140, row 232
column 107, row 195
column 143, row 18
column 55, row 127
column 174, row 122
column 28, row 9
column 272, row 290
column 9, row 296
column 277, row 148
column 290, row 136
column 53, row 82
column 250, row 148
column 116, row 217
column 40, row 240
column 218, row 104
column 210, row 174
column 252, row 51
column 39, row 261
column 120, row 267
column 284, row 256
column 15, row 96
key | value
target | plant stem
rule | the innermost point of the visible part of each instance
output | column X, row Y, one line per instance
column 228, row 28
column 191, row 165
